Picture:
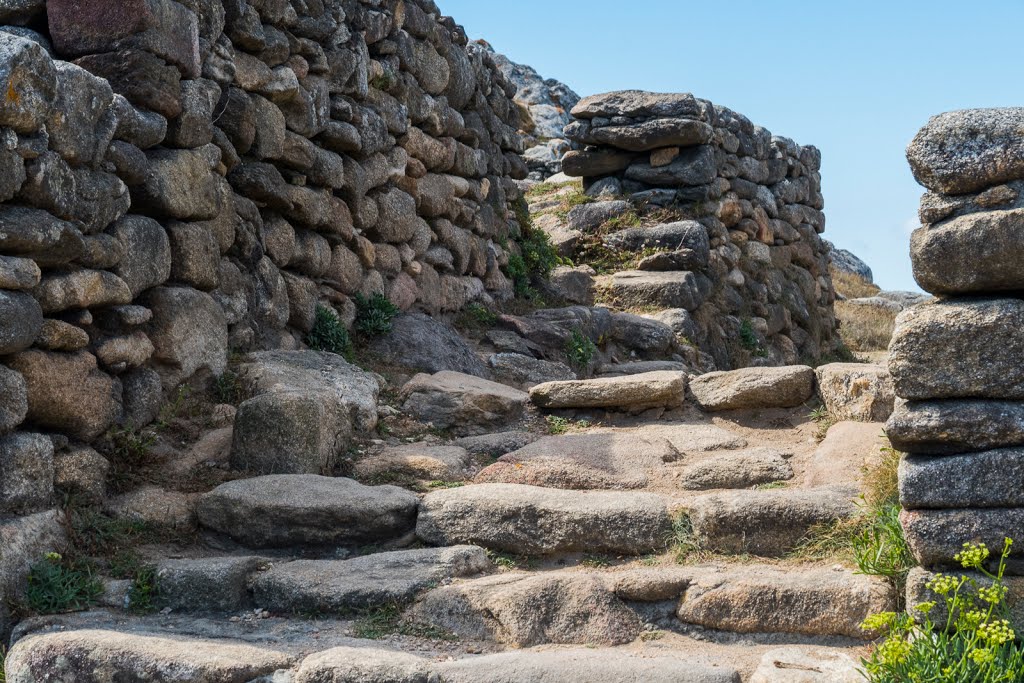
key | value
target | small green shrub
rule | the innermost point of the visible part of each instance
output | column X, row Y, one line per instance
column 480, row 315
column 329, row 334
column 537, row 257
column 57, row 585
column 557, row 425
column 972, row 643
column 374, row 314
column 749, row 341
column 580, row 350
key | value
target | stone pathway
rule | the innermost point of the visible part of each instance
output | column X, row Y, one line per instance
column 658, row 527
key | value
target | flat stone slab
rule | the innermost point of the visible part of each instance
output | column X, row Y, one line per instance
column 967, row 348
column 988, row 479
column 735, row 470
column 530, row 520
column 768, row 523
column 753, row 388
column 371, row 665
column 688, row 438
column 94, row 655
column 633, row 392
column 759, row 599
column 442, row 463
column 342, row 664
column 856, row 391
column 951, row 426
column 594, row 666
column 935, row 536
column 795, row 664
column 614, row 460
column 280, row 511
column 524, row 610
column 841, row 458
column 452, row 400
column 669, row 289
column 344, row 586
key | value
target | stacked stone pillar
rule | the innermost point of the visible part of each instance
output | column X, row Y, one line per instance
column 958, row 362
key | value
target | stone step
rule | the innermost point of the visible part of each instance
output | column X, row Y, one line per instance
column 768, row 523
column 631, row 392
column 232, row 584
column 633, row 459
column 90, row 656
column 281, row 511
column 760, row 599
column 346, row 586
column 753, row 388
column 529, row 520
column 609, row 608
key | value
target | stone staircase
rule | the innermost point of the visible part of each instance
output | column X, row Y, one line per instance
column 664, row 540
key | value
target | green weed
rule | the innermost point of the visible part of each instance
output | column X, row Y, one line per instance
column 388, row 620
column 329, row 334
column 227, row 388
column 580, row 350
column 57, row 585
column 374, row 314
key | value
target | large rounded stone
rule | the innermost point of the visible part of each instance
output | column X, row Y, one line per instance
column 753, row 388
column 13, row 399
column 26, row 472
column 856, row 391
column 976, row 253
column 28, row 80
column 965, row 151
column 21, row 319
column 189, row 333
column 147, row 253
column 68, row 393
column 305, row 510
column 462, row 402
column 969, row 348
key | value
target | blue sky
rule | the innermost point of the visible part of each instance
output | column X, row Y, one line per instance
column 857, row 79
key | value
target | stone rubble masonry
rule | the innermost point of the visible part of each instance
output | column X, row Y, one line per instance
column 761, row 271
column 181, row 179
column 955, row 362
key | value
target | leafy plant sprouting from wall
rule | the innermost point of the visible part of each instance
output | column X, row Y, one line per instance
column 329, row 333
column 374, row 314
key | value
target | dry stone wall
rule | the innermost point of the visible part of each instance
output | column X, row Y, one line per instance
column 956, row 362
column 178, row 179
column 759, row 268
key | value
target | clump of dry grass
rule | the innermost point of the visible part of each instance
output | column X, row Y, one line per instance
column 851, row 285
column 865, row 328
